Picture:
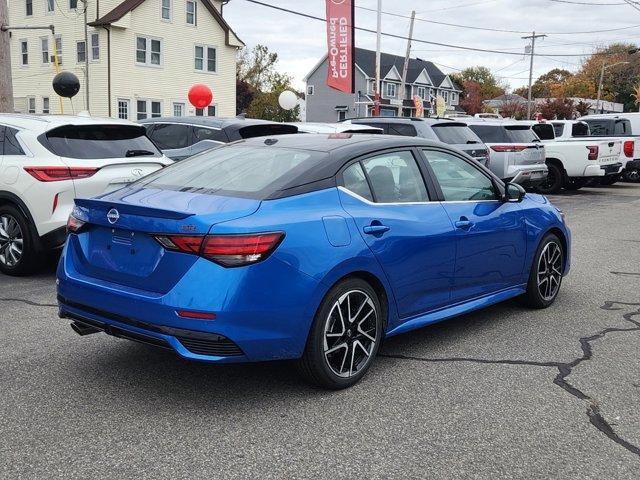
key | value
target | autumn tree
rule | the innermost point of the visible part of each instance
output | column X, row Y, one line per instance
column 472, row 100
column 557, row 109
column 482, row 84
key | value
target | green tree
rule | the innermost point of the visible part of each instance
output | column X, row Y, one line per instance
column 490, row 86
column 265, row 105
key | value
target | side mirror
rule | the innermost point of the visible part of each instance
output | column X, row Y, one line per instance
column 514, row 193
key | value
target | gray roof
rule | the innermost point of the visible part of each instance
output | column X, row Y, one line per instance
column 366, row 60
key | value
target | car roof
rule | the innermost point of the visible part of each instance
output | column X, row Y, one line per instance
column 386, row 119
column 214, row 122
column 318, row 127
column 44, row 123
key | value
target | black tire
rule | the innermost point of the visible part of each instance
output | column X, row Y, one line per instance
column 575, row 184
column 316, row 365
column 20, row 232
column 610, row 180
column 554, row 181
column 537, row 295
column 632, row 175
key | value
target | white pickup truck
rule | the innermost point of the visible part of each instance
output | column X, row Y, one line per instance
column 573, row 158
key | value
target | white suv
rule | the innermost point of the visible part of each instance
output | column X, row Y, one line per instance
column 46, row 162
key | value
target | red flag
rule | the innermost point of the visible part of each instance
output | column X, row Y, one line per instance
column 340, row 42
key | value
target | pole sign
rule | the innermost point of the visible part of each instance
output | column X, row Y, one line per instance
column 340, row 44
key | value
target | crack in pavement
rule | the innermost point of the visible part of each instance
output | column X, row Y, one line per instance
column 596, row 418
column 29, row 302
column 627, row 274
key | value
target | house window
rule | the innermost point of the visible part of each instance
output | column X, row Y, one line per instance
column 453, row 96
column 391, row 90
column 58, row 51
column 210, row 111
column 311, row 89
column 148, row 51
column 24, row 53
column 123, row 108
column 29, row 8
column 148, row 108
column 178, row 109
column 45, row 105
column 73, row 4
column 342, row 115
column 192, row 13
column 165, row 10
column 422, row 92
column 44, row 46
column 95, row 46
column 156, row 109
column 31, row 104
column 81, row 51
column 208, row 64
column 51, row 6
column 445, row 95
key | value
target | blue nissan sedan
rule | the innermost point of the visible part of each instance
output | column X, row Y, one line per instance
column 306, row 247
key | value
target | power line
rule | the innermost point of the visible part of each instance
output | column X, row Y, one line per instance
column 499, row 30
column 598, row 4
column 402, row 37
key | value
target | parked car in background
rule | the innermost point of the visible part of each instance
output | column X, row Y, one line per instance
column 516, row 154
column 452, row 132
column 620, row 125
column 182, row 137
column 575, row 161
column 306, row 247
column 46, row 162
column 329, row 128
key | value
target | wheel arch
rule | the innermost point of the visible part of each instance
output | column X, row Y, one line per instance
column 8, row 198
column 557, row 162
column 563, row 238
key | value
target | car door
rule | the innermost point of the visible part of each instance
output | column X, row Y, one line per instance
column 174, row 139
column 411, row 236
column 490, row 233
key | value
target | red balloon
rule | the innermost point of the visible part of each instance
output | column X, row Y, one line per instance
column 200, row 95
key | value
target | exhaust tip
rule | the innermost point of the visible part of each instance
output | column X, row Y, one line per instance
column 83, row 330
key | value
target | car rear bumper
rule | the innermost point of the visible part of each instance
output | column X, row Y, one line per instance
column 529, row 175
column 602, row 170
column 54, row 239
column 262, row 312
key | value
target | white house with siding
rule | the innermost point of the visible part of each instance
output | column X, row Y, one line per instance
column 143, row 56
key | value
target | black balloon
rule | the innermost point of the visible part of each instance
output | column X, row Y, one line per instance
column 66, row 84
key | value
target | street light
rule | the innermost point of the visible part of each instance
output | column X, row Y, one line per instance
column 604, row 67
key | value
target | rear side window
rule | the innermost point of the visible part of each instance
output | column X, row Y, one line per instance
column 622, row 127
column 11, row 144
column 600, row 128
column 237, row 170
column 402, row 129
column 395, row 178
column 489, row 133
column 521, row 134
column 203, row 133
column 169, row 136
column 455, row 134
column 99, row 141
column 355, row 181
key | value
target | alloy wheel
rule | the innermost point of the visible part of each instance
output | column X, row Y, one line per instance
column 350, row 333
column 550, row 271
column 11, row 241
column 633, row 175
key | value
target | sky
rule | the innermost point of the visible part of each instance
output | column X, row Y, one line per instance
column 301, row 43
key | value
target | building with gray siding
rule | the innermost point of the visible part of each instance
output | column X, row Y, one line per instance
column 424, row 79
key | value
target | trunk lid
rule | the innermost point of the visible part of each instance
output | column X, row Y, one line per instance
column 118, row 243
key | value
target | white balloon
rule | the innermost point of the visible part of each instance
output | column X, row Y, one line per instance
column 288, row 100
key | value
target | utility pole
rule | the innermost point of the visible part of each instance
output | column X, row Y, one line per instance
column 533, row 38
column 376, row 98
column 600, row 86
column 87, row 49
column 6, row 85
column 406, row 62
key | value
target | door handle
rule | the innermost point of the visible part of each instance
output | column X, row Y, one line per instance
column 464, row 223
column 375, row 229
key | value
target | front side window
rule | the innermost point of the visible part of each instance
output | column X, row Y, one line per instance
column 459, row 180
column 81, row 49
column 169, row 136
column 192, row 12
column 11, row 144
column 395, row 178
column 24, row 53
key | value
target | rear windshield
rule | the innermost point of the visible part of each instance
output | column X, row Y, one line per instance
column 521, row 134
column 99, row 141
column 455, row 134
column 490, row 133
column 558, row 128
column 237, row 170
column 603, row 127
column 580, row 129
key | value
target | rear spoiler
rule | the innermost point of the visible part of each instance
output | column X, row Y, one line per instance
column 106, row 205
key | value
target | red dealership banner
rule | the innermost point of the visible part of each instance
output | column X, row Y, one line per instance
column 340, row 43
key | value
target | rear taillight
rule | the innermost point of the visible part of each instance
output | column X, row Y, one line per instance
column 58, row 174
column 593, row 152
column 508, row 148
column 225, row 250
column 629, row 147
column 74, row 225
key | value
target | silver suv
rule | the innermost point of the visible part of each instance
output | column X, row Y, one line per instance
column 516, row 153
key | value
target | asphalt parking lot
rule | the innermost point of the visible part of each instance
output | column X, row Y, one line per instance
column 501, row 393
